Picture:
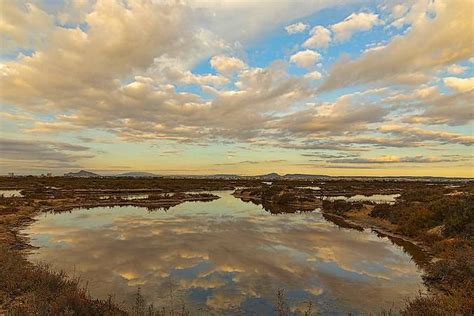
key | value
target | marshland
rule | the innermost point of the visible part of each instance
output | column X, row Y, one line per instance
column 207, row 246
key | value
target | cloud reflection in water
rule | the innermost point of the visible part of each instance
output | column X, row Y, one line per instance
column 226, row 254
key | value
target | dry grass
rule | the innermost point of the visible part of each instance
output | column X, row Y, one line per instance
column 28, row 289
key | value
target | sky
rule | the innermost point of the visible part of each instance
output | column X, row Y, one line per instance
column 237, row 87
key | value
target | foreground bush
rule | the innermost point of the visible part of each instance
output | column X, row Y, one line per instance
column 439, row 305
column 455, row 214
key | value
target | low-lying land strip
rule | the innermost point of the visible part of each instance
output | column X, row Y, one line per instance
column 280, row 199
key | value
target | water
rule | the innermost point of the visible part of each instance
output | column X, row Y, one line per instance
column 310, row 187
column 127, row 197
column 10, row 193
column 376, row 198
column 226, row 256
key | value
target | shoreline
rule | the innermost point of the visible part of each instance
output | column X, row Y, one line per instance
column 381, row 229
column 12, row 224
column 27, row 280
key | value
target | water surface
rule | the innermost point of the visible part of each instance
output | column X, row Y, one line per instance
column 10, row 193
column 375, row 198
column 310, row 187
column 126, row 196
column 226, row 256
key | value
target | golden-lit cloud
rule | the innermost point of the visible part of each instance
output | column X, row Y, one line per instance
column 305, row 58
column 320, row 37
column 459, row 84
column 296, row 28
column 267, row 76
column 355, row 22
column 227, row 65
column 431, row 42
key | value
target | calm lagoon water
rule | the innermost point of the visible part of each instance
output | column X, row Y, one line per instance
column 376, row 198
column 10, row 193
column 226, row 256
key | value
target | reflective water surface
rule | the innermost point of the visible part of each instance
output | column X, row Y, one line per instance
column 127, row 197
column 376, row 198
column 226, row 256
column 10, row 193
column 309, row 187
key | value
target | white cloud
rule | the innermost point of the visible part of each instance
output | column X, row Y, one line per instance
column 20, row 154
column 320, row 38
column 314, row 75
column 374, row 47
column 416, row 52
column 399, row 10
column 456, row 69
column 75, row 11
column 227, row 65
column 459, row 84
column 296, row 28
column 404, row 14
column 355, row 22
column 22, row 25
column 123, row 74
column 390, row 160
column 435, row 108
column 305, row 58
column 419, row 134
column 245, row 21
column 345, row 114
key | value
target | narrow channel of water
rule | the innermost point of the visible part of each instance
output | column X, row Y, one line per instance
column 375, row 198
column 226, row 256
column 11, row 193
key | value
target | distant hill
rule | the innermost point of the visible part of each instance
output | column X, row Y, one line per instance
column 81, row 174
column 272, row 175
column 137, row 175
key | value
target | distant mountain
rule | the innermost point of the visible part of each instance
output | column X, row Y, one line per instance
column 81, row 174
column 272, row 175
column 137, row 175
